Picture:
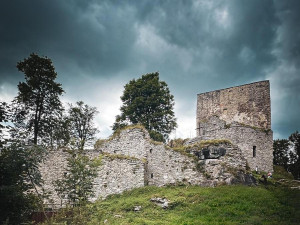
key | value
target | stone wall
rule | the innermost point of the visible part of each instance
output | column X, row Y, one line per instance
column 163, row 165
column 248, row 104
column 129, row 142
column 115, row 175
column 166, row 166
column 246, row 138
column 131, row 159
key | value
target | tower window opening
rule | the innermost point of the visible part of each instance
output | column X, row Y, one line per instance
column 254, row 151
column 151, row 175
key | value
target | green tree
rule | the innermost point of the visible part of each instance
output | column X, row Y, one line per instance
column 148, row 101
column 3, row 118
column 280, row 153
column 19, row 176
column 61, row 134
column 38, row 98
column 77, row 182
column 287, row 154
column 81, row 118
column 295, row 154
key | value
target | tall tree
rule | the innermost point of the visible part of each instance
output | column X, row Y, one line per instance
column 287, row 154
column 280, row 153
column 148, row 101
column 295, row 154
column 3, row 119
column 81, row 118
column 38, row 97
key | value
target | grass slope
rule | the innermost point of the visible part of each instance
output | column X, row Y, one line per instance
column 193, row 205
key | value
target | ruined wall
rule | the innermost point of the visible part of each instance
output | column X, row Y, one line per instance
column 241, row 114
column 163, row 166
column 167, row 166
column 246, row 138
column 130, row 142
column 248, row 104
column 131, row 159
column 115, row 175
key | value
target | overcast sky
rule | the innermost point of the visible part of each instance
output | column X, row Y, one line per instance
column 197, row 46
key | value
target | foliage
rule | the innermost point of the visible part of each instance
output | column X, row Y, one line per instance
column 77, row 182
column 295, row 155
column 81, row 119
column 281, row 173
column 4, row 108
column 287, row 154
column 280, row 153
column 148, row 101
column 99, row 143
column 38, row 98
column 177, row 143
column 19, row 176
column 192, row 205
column 61, row 134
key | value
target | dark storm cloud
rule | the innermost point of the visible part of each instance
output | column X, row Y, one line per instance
column 286, row 74
column 196, row 46
column 88, row 36
column 237, row 35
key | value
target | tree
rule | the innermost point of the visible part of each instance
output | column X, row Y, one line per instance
column 77, row 182
column 287, row 154
column 280, row 153
column 4, row 108
column 148, row 101
column 19, row 175
column 81, row 119
column 295, row 154
column 38, row 98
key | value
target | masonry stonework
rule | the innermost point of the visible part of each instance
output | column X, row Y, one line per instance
column 243, row 115
column 131, row 159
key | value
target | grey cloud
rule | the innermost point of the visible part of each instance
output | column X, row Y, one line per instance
column 196, row 46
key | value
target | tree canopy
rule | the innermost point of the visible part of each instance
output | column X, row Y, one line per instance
column 38, row 97
column 81, row 118
column 148, row 101
column 287, row 153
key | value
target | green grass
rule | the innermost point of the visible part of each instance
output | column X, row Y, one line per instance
column 193, row 205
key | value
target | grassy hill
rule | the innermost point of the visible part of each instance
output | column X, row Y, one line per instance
column 192, row 205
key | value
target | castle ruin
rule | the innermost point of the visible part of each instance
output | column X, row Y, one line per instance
column 233, row 131
column 241, row 114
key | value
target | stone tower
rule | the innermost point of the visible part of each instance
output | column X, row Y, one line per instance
column 241, row 114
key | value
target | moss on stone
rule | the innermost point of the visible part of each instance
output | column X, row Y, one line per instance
column 255, row 128
column 119, row 156
column 99, row 143
column 130, row 127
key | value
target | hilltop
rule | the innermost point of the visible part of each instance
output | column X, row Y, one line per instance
column 272, row 204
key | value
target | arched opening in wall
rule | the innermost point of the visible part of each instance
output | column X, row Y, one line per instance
column 150, row 150
column 151, row 175
column 254, row 151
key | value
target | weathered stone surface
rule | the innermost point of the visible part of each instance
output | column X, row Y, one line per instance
column 162, row 202
column 115, row 175
column 137, row 208
column 248, row 104
column 127, row 164
column 246, row 138
column 243, row 115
